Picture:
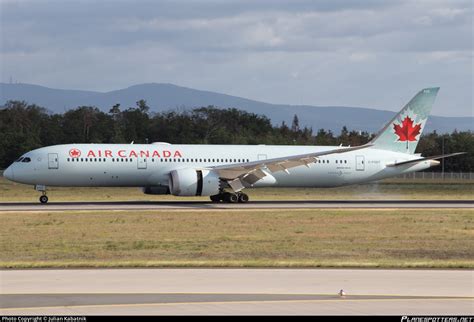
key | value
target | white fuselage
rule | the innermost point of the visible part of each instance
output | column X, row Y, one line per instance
column 148, row 165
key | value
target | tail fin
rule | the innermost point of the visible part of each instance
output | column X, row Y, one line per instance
column 403, row 132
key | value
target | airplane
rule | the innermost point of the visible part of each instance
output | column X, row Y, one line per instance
column 224, row 171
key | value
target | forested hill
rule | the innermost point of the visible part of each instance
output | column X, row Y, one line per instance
column 164, row 97
column 24, row 127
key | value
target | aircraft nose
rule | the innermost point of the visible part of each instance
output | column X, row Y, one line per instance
column 8, row 173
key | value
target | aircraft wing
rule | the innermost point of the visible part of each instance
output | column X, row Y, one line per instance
column 242, row 175
column 436, row 157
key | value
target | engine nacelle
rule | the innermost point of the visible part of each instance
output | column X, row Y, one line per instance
column 192, row 182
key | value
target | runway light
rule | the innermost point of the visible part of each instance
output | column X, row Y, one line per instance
column 342, row 293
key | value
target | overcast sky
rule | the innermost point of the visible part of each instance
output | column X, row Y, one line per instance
column 332, row 52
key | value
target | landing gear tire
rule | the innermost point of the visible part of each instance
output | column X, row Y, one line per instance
column 243, row 198
column 231, row 197
column 43, row 199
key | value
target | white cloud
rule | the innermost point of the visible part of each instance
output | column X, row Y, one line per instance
column 301, row 52
column 361, row 56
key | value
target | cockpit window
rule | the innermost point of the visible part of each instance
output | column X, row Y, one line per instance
column 26, row 159
column 19, row 160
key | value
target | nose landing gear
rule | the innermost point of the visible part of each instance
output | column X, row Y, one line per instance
column 44, row 198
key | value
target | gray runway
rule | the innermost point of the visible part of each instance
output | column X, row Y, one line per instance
column 236, row 291
column 277, row 204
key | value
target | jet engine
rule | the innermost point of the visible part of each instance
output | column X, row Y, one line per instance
column 192, row 182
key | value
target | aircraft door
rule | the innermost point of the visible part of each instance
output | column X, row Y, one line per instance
column 53, row 161
column 261, row 157
column 141, row 163
column 360, row 163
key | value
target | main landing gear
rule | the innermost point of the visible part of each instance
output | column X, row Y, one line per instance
column 230, row 197
column 44, row 198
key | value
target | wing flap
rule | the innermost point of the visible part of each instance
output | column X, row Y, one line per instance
column 233, row 171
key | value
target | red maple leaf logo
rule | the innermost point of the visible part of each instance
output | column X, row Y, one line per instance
column 407, row 132
column 75, row 153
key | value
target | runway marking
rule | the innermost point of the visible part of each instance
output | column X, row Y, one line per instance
column 235, row 302
column 259, row 204
column 361, row 296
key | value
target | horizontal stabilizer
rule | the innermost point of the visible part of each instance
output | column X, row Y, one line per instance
column 426, row 158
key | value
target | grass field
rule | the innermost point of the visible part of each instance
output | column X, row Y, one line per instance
column 14, row 192
column 274, row 238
